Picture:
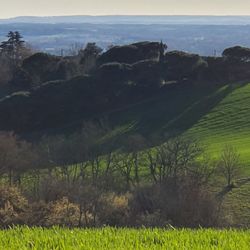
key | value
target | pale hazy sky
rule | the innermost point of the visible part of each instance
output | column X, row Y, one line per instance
column 11, row 8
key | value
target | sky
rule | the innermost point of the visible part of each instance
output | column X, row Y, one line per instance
column 12, row 8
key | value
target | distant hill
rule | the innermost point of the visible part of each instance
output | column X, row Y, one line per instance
column 200, row 20
column 208, row 40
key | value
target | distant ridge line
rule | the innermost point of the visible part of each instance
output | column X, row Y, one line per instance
column 133, row 19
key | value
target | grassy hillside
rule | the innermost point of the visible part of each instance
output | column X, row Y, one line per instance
column 227, row 123
column 214, row 115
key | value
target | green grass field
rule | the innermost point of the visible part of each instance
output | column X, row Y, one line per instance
column 122, row 239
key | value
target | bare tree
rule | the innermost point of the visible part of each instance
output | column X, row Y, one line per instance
column 134, row 144
column 172, row 159
column 229, row 165
column 123, row 161
column 152, row 163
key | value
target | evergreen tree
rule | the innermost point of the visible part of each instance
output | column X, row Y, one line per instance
column 12, row 47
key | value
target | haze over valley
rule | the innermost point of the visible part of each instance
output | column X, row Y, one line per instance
column 204, row 35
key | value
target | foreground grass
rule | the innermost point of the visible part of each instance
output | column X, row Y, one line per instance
column 109, row 238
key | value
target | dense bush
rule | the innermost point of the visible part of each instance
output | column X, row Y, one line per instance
column 237, row 53
column 114, row 72
column 109, row 208
column 41, row 67
column 131, row 53
column 114, row 209
column 13, row 206
column 147, row 74
column 181, row 65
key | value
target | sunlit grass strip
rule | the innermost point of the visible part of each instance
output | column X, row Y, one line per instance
column 110, row 238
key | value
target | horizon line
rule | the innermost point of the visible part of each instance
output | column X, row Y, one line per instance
column 129, row 15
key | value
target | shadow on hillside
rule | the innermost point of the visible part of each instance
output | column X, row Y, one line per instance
column 173, row 112
column 167, row 114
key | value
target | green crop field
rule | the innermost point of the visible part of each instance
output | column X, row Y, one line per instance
column 125, row 239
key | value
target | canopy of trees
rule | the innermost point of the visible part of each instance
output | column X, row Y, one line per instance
column 238, row 53
column 132, row 53
column 120, row 76
column 183, row 65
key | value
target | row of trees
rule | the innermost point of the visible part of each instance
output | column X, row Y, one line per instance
column 14, row 50
column 77, row 181
column 134, row 162
column 174, row 65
